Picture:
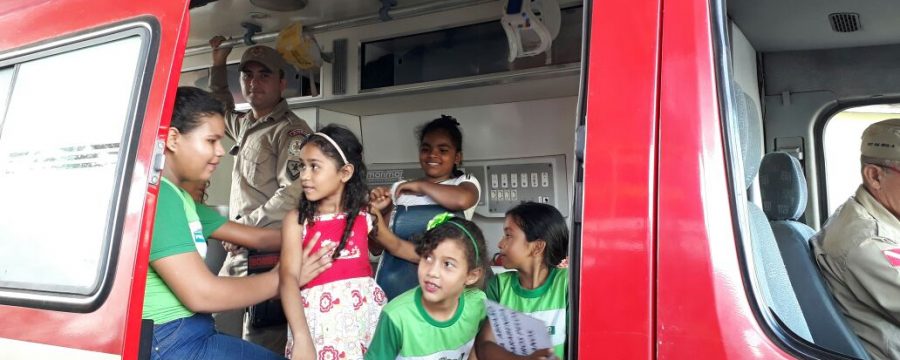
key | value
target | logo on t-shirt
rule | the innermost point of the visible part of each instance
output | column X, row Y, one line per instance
column 199, row 239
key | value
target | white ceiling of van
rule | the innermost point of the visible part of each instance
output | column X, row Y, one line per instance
column 777, row 25
column 224, row 17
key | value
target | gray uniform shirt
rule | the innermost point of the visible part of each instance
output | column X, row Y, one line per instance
column 266, row 165
column 856, row 252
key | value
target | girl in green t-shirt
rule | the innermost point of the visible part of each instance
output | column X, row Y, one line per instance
column 534, row 244
column 180, row 290
column 439, row 318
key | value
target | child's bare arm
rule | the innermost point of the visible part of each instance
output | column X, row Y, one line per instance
column 452, row 197
column 380, row 199
column 392, row 243
column 297, row 269
column 248, row 236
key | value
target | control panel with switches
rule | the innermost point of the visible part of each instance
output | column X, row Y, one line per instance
column 504, row 183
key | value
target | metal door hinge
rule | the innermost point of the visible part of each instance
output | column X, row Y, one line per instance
column 158, row 162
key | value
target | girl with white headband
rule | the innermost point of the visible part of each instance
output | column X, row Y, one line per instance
column 343, row 303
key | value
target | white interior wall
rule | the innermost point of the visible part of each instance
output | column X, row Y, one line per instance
column 743, row 57
column 499, row 131
column 349, row 121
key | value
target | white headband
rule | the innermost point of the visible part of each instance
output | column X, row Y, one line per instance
column 326, row 137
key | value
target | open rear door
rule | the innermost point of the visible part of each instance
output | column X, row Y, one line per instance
column 85, row 89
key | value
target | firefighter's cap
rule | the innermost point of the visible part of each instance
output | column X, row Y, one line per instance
column 881, row 141
column 265, row 56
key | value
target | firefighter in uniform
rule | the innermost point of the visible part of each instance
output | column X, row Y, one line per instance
column 266, row 163
column 858, row 250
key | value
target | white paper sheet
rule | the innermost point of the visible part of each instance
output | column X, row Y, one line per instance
column 516, row 332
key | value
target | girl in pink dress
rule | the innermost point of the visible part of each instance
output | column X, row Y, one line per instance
column 342, row 305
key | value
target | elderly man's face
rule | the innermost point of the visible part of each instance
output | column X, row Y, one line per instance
column 883, row 182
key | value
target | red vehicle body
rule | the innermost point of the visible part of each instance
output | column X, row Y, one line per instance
column 658, row 270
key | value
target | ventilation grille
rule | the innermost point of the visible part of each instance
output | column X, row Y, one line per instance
column 844, row 22
column 339, row 67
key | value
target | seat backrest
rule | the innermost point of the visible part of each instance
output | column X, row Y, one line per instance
column 784, row 194
column 769, row 267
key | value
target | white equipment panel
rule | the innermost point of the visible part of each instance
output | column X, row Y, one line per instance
column 505, row 183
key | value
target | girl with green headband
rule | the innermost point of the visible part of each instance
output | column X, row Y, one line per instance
column 439, row 318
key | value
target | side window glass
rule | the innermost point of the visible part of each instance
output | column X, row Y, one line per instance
column 840, row 143
column 60, row 162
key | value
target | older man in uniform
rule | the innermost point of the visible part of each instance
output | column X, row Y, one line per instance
column 266, row 163
column 858, row 250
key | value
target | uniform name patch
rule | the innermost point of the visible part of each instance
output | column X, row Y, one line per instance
column 892, row 256
column 296, row 132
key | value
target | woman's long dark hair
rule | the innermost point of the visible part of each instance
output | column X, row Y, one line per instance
column 355, row 195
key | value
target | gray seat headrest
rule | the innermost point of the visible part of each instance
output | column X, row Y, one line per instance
column 783, row 187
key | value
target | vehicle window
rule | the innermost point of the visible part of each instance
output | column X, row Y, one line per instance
column 59, row 157
column 841, row 137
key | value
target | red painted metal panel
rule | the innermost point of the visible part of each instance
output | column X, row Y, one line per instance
column 703, row 310
column 617, row 261
column 115, row 327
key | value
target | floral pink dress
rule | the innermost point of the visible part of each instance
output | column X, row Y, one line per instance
column 342, row 305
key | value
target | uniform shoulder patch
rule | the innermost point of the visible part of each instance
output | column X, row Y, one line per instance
column 294, row 147
column 892, row 256
column 296, row 132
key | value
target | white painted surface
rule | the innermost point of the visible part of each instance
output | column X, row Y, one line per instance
column 15, row 349
column 744, row 58
column 510, row 130
column 346, row 120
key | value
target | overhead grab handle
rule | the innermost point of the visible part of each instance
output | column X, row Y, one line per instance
column 530, row 26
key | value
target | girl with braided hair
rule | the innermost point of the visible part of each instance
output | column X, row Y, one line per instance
column 343, row 303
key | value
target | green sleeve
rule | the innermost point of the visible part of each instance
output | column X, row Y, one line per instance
column 386, row 342
column 171, row 233
column 492, row 290
column 210, row 219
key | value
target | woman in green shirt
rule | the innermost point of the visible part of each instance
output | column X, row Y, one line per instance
column 181, row 292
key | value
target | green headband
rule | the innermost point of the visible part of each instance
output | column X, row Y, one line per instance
column 445, row 217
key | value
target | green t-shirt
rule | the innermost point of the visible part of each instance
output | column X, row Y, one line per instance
column 546, row 303
column 406, row 331
column 181, row 226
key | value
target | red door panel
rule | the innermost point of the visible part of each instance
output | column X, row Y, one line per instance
column 616, row 290
column 703, row 308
